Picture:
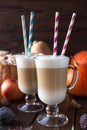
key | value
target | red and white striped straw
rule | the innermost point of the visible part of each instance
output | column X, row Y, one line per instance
column 56, row 33
column 68, row 34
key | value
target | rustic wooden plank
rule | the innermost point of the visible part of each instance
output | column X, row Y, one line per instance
column 43, row 32
column 10, row 23
column 24, row 120
column 21, row 118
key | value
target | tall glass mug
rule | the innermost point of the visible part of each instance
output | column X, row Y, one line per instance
column 51, row 76
column 27, row 82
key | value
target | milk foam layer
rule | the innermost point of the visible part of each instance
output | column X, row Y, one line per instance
column 46, row 61
column 25, row 62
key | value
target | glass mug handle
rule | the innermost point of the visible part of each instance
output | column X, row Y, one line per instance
column 75, row 77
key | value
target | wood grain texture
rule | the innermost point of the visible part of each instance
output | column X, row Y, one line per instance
column 80, row 112
column 65, row 109
column 21, row 118
column 27, row 119
column 11, row 31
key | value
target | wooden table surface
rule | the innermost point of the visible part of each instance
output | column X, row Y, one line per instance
column 27, row 119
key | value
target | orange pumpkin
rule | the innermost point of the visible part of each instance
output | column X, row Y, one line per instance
column 80, row 58
column 80, row 88
column 80, row 61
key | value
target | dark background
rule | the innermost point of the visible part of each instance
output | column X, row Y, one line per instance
column 11, row 38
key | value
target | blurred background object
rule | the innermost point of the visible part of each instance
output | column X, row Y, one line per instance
column 11, row 38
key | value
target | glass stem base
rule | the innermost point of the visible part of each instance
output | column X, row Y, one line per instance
column 30, row 104
column 52, row 118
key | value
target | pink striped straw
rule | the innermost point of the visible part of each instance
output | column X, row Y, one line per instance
column 68, row 34
column 56, row 33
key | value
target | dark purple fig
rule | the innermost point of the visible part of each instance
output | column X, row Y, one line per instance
column 6, row 115
column 83, row 121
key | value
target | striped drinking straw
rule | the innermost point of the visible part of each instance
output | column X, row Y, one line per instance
column 56, row 33
column 24, row 33
column 68, row 34
column 30, row 31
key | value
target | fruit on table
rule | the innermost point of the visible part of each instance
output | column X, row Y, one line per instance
column 6, row 115
column 80, row 88
column 40, row 47
column 83, row 121
column 10, row 90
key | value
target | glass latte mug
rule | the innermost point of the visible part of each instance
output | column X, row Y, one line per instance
column 27, row 82
column 51, row 76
